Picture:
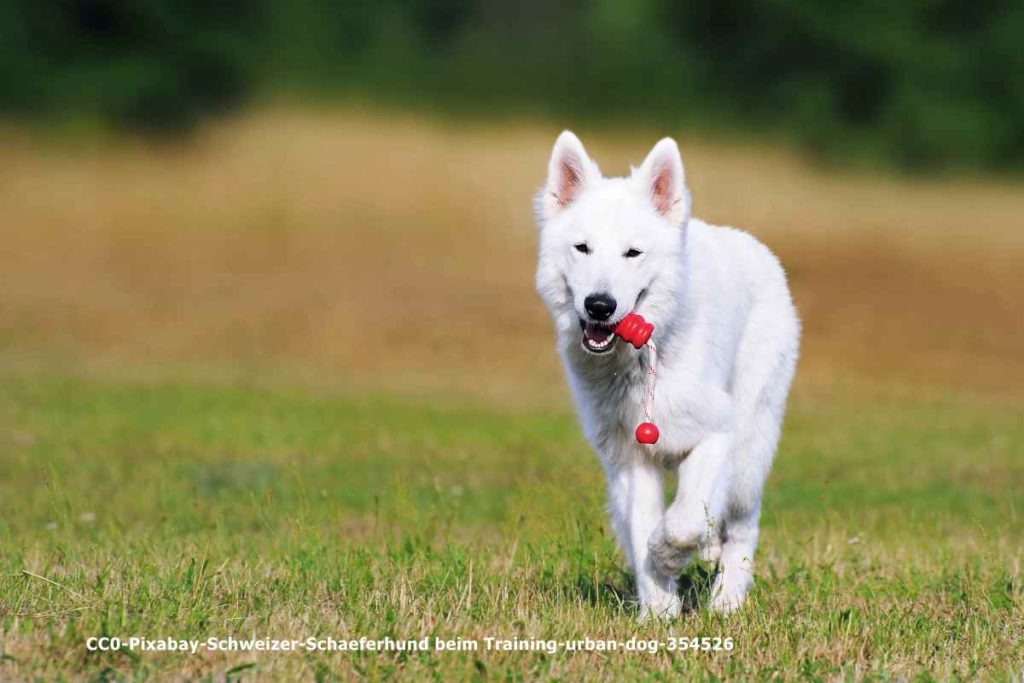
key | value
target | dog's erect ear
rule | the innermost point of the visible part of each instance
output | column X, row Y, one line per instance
column 662, row 178
column 569, row 172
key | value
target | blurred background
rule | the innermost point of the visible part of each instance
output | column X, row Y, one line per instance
column 925, row 85
column 342, row 191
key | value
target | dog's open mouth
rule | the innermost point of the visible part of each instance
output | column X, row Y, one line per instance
column 597, row 337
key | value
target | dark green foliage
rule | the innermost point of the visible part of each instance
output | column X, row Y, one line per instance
column 923, row 84
column 152, row 65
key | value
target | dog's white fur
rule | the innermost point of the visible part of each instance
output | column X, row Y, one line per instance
column 727, row 336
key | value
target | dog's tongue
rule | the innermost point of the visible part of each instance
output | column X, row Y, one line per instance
column 597, row 334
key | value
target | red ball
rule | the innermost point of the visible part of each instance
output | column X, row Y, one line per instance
column 647, row 433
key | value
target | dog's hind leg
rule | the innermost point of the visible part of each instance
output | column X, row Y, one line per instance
column 636, row 502
column 767, row 363
column 735, row 576
column 739, row 536
column 740, row 530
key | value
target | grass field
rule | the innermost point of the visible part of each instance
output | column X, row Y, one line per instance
column 292, row 381
column 892, row 537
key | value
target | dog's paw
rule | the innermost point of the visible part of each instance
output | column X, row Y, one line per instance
column 670, row 553
column 729, row 593
column 726, row 604
column 665, row 606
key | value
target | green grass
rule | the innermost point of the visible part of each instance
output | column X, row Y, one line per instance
column 891, row 545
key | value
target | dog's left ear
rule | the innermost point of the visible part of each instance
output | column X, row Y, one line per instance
column 570, row 172
column 663, row 180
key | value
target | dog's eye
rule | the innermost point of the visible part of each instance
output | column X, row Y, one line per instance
column 582, row 248
column 632, row 253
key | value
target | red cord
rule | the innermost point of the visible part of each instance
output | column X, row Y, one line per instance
column 637, row 331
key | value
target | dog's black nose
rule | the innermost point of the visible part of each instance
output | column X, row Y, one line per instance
column 599, row 306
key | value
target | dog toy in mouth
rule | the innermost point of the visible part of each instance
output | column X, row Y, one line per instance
column 637, row 331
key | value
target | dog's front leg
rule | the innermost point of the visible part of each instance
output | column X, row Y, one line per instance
column 636, row 506
column 694, row 520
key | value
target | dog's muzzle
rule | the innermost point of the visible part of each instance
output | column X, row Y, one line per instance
column 598, row 337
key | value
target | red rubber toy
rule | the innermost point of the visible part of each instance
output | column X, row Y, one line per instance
column 647, row 433
column 634, row 329
column 637, row 331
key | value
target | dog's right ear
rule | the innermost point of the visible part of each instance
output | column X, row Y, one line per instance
column 569, row 172
column 663, row 180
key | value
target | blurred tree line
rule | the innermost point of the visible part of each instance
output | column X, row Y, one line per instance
column 918, row 83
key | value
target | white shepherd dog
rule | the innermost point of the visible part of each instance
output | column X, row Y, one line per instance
column 727, row 338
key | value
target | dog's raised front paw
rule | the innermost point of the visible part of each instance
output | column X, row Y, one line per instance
column 670, row 554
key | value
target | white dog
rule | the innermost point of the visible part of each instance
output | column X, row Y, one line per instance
column 727, row 336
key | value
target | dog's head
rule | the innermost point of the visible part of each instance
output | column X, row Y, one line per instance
column 610, row 245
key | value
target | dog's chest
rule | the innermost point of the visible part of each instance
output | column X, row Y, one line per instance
column 617, row 397
column 612, row 403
